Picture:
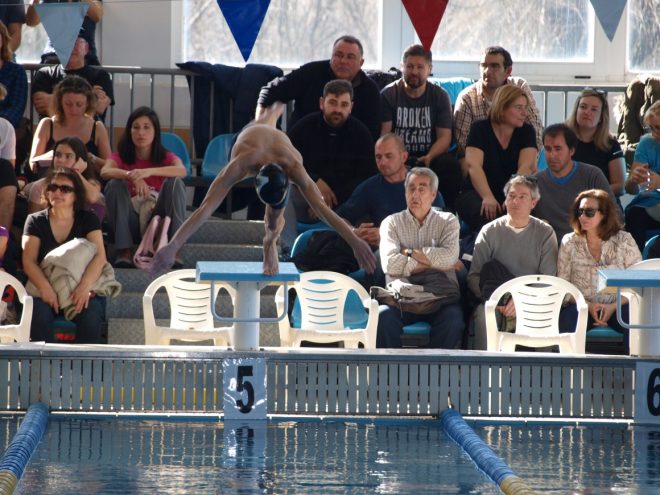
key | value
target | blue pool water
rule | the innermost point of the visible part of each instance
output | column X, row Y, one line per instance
column 134, row 456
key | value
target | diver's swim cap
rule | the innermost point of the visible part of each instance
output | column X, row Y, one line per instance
column 272, row 184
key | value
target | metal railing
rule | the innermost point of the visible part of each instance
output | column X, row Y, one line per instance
column 157, row 380
column 168, row 92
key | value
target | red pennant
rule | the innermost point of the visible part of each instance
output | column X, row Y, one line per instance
column 425, row 16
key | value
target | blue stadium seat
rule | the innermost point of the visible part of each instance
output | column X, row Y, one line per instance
column 216, row 155
column 175, row 144
column 647, row 246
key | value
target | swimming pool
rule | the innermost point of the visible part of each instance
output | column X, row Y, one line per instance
column 330, row 457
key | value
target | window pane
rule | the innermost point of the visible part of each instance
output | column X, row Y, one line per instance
column 532, row 30
column 33, row 42
column 644, row 39
column 292, row 33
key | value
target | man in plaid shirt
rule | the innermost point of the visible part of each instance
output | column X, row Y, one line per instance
column 474, row 101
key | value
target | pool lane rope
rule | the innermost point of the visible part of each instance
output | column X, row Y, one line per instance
column 24, row 443
column 482, row 455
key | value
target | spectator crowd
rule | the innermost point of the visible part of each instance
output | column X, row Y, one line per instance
column 425, row 181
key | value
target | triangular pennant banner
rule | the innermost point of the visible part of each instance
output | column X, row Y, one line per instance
column 244, row 18
column 609, row 14
column 425, row 16
column 62, row 23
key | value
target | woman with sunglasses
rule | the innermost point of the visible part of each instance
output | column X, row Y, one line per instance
column 72, row 113
column 643, row 212
column 502, row 145
column 142, row 168
column 70, row 152
column 64, row 219
column 590, row 120
column 598, row 241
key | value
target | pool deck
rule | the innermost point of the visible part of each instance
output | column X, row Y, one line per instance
column 328, row 382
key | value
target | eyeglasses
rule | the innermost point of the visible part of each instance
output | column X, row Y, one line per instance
column 589, row 212
column 62, row 187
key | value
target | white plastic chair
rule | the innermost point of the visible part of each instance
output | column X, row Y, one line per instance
column 21, row 331
column 190, row 310
column 322, row 297
column 633, row 301
column 538, row 301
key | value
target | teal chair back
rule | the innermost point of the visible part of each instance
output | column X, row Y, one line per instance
column 175, row 144
column 217, row 155
column 453, row 86
column 647, row 246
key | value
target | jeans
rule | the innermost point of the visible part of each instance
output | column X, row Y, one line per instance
column 89, row 322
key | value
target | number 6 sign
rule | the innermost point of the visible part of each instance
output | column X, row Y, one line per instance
column 647, row 393
column 244, row 384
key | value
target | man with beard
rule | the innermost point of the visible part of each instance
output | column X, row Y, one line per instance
column 337, row 149
column 420, row 113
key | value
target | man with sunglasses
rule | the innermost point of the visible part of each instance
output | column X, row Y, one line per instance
column 564, row 179
column 474, row 101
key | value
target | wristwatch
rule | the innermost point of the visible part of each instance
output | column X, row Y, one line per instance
column 408, row 252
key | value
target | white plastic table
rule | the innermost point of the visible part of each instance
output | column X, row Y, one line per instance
column 248, row 280
column 646, row 284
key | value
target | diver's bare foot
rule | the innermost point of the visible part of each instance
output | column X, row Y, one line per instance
column 271, row 261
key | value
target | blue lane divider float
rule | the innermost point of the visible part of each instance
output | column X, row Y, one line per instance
column 22, row 446
column 482, row 455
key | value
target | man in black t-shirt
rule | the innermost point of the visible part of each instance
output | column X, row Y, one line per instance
column 420, row 113
column 46, row 78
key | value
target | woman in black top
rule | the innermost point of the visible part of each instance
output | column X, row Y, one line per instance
column 590, row 120
column 73, row 107
column 63, row 220
column 502, row 145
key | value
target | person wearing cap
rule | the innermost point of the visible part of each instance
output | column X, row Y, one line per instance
column 92, row 18
column 264, row 152
column 46, row 78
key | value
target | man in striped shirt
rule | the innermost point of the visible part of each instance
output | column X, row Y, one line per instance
column 418, row 240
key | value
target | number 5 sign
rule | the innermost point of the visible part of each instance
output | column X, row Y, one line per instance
column 244, row 384
column 647, row 393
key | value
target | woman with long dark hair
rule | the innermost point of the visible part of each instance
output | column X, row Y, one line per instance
column 142, row 169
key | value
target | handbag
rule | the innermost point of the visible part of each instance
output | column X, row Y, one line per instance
column 422, row 294
column 155, row 237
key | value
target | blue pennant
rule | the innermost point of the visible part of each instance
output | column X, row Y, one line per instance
column 62, row 23
column 244, row 18
column 609, row 14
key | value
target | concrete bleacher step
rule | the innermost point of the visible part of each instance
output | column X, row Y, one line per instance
column 220, row 231
column 217, row 240
column 192, row 253
column 129, row 305
column 130, row 331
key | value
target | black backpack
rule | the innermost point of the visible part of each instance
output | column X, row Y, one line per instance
column 326, row 250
